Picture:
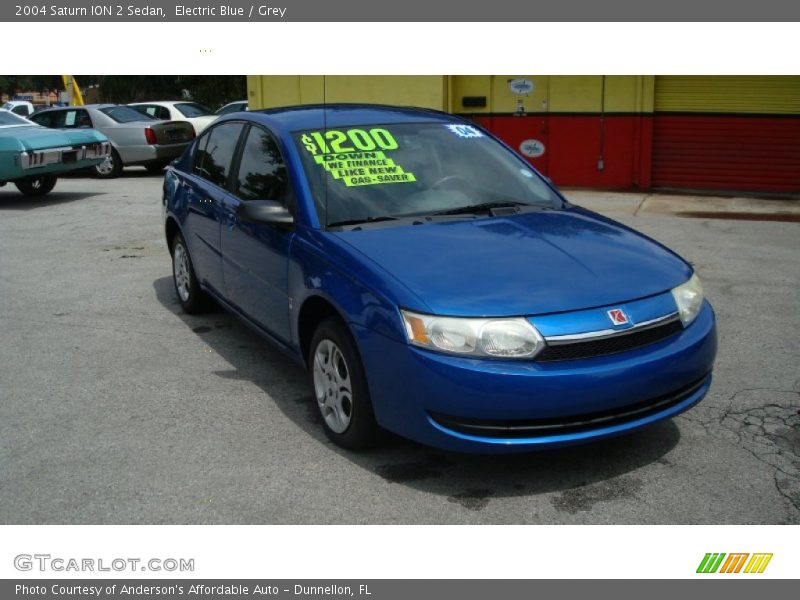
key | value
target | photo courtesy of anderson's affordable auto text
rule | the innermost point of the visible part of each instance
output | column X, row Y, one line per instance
column 332, row 314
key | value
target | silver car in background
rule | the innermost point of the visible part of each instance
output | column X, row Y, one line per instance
column 198, row 115
column 136, row 139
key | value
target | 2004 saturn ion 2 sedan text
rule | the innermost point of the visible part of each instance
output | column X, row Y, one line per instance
column 433, row 283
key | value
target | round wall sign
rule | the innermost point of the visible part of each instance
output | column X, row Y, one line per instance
column 521, row 86
column 532, row 148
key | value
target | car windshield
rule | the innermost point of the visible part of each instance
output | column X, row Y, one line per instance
column 9, row 118
column 192, row 109
column 370, row 172
column 125, row 114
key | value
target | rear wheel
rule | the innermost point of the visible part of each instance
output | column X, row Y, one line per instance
column 340, row 387
column 110, row 168
column 192, row 298
column 36, row 186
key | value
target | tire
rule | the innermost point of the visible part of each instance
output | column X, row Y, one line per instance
column 192, row 298
column 155, row 168
column 340, row 388
column 109, row 168
column 36, row 186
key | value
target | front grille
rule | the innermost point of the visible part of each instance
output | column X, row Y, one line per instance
column 610, row 345
column 531, row 428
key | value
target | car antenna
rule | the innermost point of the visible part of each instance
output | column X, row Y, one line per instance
column 325, row 137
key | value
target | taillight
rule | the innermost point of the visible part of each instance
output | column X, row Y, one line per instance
column 149, row 135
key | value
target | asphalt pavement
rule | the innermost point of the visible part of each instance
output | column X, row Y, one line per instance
column 115, row 407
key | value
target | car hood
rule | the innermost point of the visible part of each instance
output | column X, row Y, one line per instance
column 526, row 264
column 40, row 138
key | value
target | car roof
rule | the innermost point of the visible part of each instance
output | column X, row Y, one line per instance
column 163, row 102
column 95, row 106
column 287, row 119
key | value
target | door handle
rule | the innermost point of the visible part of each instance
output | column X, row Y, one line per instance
column 231, row 219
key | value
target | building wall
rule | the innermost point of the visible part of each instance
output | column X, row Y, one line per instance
column 603, row 131
column 596, row 131
column 730, row 133
column 427, row 91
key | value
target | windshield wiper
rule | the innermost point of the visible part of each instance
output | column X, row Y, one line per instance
column 362, row 220
column 485, row 206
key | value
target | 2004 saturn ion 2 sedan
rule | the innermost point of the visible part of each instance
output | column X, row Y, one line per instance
column 432, row 282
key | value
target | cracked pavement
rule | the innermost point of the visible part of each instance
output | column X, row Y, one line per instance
column 117, row 408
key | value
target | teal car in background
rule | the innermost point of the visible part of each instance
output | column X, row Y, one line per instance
column 32, row 156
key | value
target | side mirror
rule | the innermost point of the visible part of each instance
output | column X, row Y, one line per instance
column 265, row 211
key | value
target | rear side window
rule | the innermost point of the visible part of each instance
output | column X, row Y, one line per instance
column 124, row 114
column 262, row 172
column 44, row 118
column 213, row 162
column 199, row 153
column 232, row 108
column 64, row 119
column 152, row 110
column 82, row 119
column 192, row 109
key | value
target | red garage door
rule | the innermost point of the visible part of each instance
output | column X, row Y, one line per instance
column 727, row 133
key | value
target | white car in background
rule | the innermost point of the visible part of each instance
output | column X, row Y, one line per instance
column 178, row 110
column 23, row 108
column 238, row 106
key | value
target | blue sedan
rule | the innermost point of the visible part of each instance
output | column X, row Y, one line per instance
column 432, row 282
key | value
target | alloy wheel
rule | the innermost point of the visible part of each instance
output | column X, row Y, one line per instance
column 332, row 386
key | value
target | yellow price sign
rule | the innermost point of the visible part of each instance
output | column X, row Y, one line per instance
column 335, row 141
column 356, row 156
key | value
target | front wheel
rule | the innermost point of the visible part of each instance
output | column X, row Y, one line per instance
column 36, row 186
column 340, row 387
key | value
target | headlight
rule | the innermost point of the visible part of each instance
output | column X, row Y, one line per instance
column 689, row 298
column 495, row 338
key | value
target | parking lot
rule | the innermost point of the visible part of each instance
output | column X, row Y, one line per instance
column 117, row 408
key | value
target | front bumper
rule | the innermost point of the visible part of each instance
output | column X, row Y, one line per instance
column 420, row 394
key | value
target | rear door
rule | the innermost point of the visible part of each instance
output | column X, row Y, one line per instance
column 205, row 190
column 255, row 255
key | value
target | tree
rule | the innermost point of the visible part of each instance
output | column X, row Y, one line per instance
column 211, row 90
column 11, row 84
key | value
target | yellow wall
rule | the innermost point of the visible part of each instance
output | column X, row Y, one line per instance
column 773, row 94
column 268, row 91
column 556, row 93
column 552, row 93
